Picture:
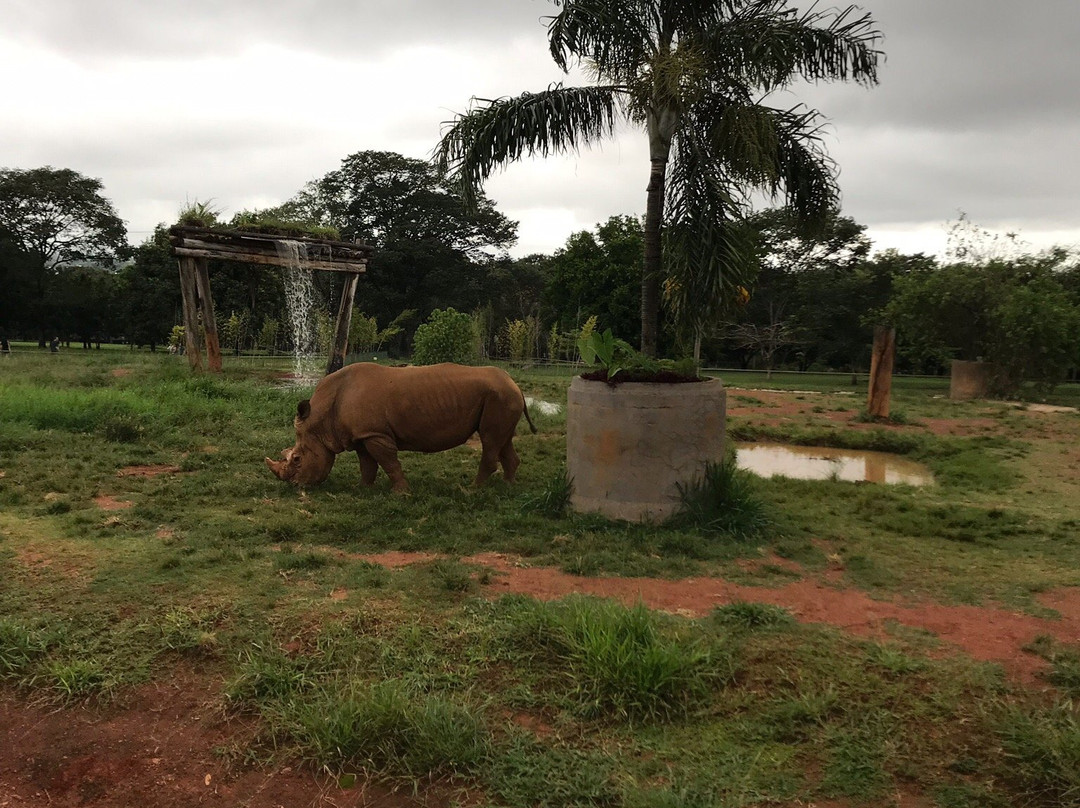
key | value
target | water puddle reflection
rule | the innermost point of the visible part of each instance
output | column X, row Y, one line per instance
column 820, row 463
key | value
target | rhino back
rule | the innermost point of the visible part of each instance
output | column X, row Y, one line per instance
column 427, row 408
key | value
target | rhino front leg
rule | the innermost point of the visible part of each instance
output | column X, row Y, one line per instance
column 384, row 452
column 369, row 466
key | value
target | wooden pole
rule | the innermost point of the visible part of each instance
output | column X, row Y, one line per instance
column 344, row 320
column 191, row 320
column 206, row 303
column 881, row 369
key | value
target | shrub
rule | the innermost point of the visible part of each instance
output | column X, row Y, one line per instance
column 447, row 336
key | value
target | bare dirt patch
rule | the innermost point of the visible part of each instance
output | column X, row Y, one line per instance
column 147, row 471
column 120, row 372
column 109, row 503
column 45, row 560
column 158, row 749
column 770, row 408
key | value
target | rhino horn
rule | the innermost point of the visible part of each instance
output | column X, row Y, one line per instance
column 274, row 466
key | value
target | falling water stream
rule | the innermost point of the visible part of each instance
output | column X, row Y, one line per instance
column 300, row 303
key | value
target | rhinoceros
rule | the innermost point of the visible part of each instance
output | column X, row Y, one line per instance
column 378, row 411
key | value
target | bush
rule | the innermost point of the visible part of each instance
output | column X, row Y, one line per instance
column 447, row 336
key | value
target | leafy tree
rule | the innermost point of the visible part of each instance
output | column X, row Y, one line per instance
column 235, row 331
column 149, row 293
column 1036, row 336
column 268, row 334
column 431, row 252
column 447, row 336
column 17, row 279
column 598, row 274
column 1015, row 314
column 692, row 74
column 364, row 332
column 822, row 282
column 83, row 301
column 56, row 217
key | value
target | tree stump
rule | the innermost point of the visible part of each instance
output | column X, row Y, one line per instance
column 881, row 369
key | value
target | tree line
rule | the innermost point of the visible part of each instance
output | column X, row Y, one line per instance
column 811, row 301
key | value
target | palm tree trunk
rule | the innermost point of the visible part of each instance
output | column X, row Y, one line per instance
column 661, row 122
column 650, row 276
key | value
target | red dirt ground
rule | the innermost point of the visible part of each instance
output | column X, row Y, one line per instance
column 158, row 747
column 109, row 503
column 157, row 750
column 778, row 407
column 988, row 634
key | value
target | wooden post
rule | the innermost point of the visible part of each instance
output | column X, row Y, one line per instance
column 191, row 320
column 881, row 368
column 344, row 320
column 206, row 303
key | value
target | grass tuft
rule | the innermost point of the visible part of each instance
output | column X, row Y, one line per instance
column 752, row 616
column 385, row 728
column 724, row 501
column 625, row 662
column 20, row 647
column 553, row 499
column 1043, row 751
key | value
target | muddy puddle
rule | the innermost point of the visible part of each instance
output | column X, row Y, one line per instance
column 820, row 463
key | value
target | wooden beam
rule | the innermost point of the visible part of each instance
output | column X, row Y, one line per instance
column 179, row 236
column 344, row 320
column 270, row 260
column 881, row 369
column 191, row 319
column 206, row 303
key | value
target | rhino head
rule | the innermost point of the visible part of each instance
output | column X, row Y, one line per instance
column 309, row 462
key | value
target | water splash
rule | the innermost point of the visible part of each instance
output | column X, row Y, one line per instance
column 300, row 301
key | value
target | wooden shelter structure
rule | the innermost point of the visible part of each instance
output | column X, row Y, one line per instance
column 195, row 246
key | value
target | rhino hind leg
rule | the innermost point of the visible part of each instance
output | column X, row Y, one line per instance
column 384, row 452
column 489, row 460
column 509, row 460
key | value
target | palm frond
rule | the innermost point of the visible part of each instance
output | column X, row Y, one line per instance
column 708, row 252
column 776, row 151
column 768, row 45
column 555, row 121
column 616, row 38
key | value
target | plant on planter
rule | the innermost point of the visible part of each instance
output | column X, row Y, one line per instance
column 619, row 362
column 630, row 446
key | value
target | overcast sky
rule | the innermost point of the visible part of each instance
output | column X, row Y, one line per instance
column 242, row 102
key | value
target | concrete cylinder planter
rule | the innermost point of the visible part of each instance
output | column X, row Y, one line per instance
column 970, row 380
column 629, row 445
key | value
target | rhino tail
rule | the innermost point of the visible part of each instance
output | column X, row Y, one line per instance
column 525, row 404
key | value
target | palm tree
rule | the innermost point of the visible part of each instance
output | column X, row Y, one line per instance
column 693, row 74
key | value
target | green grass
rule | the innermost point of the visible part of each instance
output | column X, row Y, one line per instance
column 417, row 674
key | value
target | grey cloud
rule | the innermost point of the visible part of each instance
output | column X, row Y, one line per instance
column 117, row 29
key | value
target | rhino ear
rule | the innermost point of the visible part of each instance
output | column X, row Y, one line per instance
column 303, row 409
